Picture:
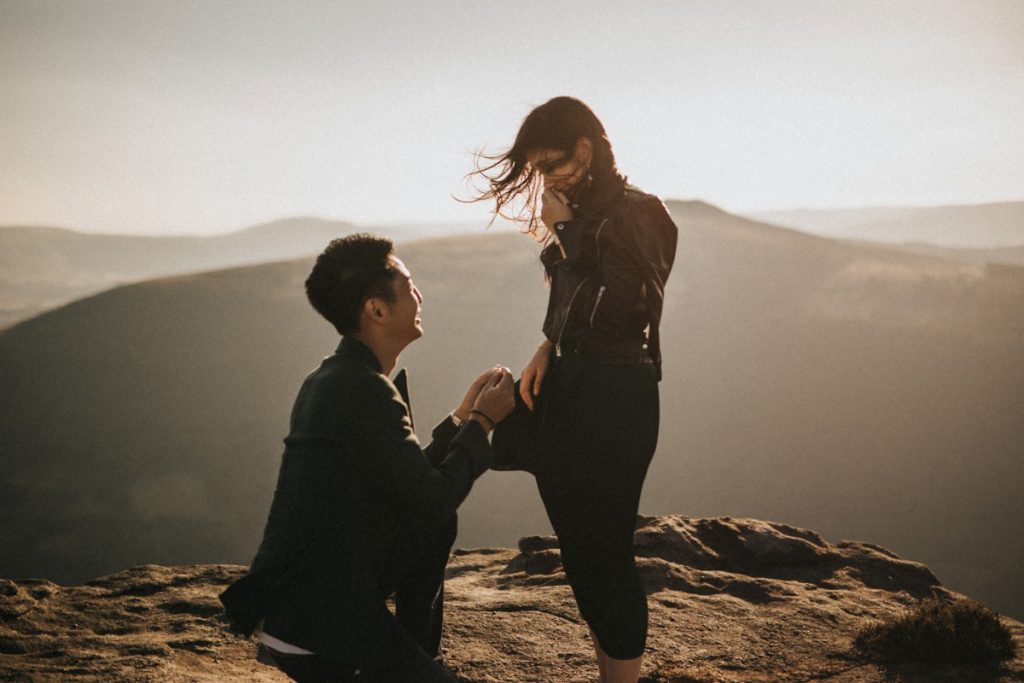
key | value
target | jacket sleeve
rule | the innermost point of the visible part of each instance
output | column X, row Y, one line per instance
column 390, row 455
column 440, row 441
column 577, row 242
column 638, row 254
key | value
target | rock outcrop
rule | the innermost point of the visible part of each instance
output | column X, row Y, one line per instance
column 730, row 600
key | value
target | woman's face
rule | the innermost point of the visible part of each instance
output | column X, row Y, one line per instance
column 561, row 171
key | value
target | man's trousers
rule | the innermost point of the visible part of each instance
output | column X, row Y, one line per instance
column 413, row 573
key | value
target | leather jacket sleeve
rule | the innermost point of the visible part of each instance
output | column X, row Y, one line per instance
column 634, row 259
column 577, row 242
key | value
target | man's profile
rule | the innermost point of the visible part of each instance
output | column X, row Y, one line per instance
column 361, row 512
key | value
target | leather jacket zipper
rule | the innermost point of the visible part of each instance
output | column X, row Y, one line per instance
column 597, row 301
column 568, row 310
column 597, row 239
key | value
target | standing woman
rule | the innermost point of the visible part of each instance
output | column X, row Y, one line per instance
column 587, row 424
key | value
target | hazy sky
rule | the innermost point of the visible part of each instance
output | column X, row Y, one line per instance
column 208, row 116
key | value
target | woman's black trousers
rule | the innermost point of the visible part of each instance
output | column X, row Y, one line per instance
column 599, row 429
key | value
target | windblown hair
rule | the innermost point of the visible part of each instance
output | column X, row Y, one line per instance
column 514, row 184
column 351, row 270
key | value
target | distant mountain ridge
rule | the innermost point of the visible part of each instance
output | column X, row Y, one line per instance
column 966, row 226
column 44, row 267
column 1011, row 256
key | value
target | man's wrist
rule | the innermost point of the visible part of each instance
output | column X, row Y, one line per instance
column 484, row 424
column 476, row 412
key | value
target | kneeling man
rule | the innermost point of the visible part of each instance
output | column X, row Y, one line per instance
column 361, row 512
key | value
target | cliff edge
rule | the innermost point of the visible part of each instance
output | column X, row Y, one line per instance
column 730, row 600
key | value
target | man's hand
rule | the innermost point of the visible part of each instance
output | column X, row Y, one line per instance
column 462, row 412
column 554, row 208
column 533, row 373
column 495, row 400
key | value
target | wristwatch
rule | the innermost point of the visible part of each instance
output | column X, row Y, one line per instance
column 456, row 420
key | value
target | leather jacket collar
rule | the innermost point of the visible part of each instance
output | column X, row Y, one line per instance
column 598, row 195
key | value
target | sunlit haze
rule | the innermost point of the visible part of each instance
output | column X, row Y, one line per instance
column 204, row 117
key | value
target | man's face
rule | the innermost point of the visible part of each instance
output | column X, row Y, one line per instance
column 405, row 323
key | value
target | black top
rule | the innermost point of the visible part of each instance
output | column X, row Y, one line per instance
column 351, row 475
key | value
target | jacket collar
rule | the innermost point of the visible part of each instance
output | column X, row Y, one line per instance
column 353, row 348
column 599, row 195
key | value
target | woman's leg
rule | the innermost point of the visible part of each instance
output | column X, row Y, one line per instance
column 591, row 494
column 616, row 670
column 602, row 658
column 597, row 555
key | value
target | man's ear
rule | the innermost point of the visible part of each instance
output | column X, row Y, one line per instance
column 374, row 310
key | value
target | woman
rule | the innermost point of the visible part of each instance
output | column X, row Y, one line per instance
column 588, row 423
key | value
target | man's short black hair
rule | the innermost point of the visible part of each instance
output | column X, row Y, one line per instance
column 351, row 270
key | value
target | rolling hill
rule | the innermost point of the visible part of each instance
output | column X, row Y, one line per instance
column 967, row 226
column 45, row 267
column 1010, row 256
column 866, row 392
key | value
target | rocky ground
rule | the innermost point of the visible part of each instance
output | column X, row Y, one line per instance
column 731, row 600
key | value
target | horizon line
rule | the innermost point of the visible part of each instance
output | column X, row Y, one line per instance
column 370, row 225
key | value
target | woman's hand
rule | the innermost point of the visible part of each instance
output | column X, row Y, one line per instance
column 462, row 412
column 533, row 373
column 554, row 208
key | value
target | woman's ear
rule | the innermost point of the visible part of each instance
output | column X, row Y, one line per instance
column 584, row 150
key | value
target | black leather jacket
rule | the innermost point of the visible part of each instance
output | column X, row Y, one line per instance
column 607, row 269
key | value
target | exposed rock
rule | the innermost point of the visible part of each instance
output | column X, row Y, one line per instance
column 730, row 600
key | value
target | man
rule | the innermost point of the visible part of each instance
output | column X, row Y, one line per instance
column 361, row 512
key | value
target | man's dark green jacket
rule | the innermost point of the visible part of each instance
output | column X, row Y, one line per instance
column 351, row 476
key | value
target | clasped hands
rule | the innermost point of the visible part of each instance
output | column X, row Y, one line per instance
column 489, row 399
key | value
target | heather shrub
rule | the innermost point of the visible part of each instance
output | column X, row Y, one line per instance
column 939, row 631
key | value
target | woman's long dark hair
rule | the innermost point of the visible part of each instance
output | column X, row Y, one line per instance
column 514, row 184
